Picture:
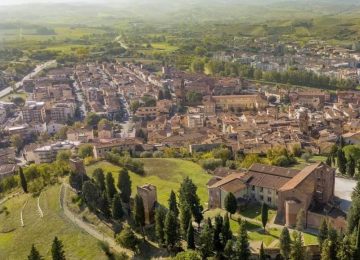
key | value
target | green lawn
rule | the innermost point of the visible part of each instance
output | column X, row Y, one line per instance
column 253, row 211
column 302, row 163
column 9, row 97
column 165, row 173
column 16, row 243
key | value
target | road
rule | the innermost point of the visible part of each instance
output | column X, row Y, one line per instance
column 19, row 84
column 88, row 228
column 79, row 98
column 343, row 189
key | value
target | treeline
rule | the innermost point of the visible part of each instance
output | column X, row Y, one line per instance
column 292, row 76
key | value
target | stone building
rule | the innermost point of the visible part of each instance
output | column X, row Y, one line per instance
column 149, row 196
column 288, row 190
column 77, row 165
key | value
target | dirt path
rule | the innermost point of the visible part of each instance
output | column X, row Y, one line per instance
column 39, row 208
column 21, row 214
column 88, row 228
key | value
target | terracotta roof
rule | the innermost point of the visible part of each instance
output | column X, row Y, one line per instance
column 227, row 179
column 303, row 174
column 273, row 170
column 233, row 186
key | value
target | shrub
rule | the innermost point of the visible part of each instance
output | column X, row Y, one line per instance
column 146, row 154
column 211, row 164
column 158, row 154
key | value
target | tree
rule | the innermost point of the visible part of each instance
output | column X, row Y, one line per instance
column 357, row 245
column 226, row 233
column 351, row 167
column 124, row 185
column 323, row 232
column 262, row 255
column 139, row 211
column 99, row 178
column 85, row 150
column 329, row 161
column 190, row 237
column 185, row 218
column 188, row 255
column 92, row 119
column 23, row 181
column 297, row 252
column 242, row 247
column 127, row 239
column 229, row 249
column 346, row 249
column 91, row 194
column 57, row 251
column 117, row 210
column 341, row 161
column 171, row 231
column 230, row 203
column 110, row 186
column 34, row 254
column 264, row 214
column 76, row 180
column 285, row 243
column 17, row 141
column 300, row 220
column 206, row 242
column 160, row 215
column 217, row 243
column 104, row 205
column 173, row 204
column 325, row 251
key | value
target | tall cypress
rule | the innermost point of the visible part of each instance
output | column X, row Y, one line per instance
column 341, row 161
column 23, row 181
column 171, row 232
column 351, row 165
column 124, row 185
column 262, row 255
column 285, row 243
column 242, row 247
column 139, row 211
column 217, row 243
column 57, row 251
column 110, row 186
column 264, row 214
column 226, row 233
column 173, row 204
column 190, row 238
column 99, row 178
column 357, row 245
column 117, row 209
column 323, row 232
column 34, row 254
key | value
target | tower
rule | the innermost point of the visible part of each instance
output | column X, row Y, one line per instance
column 148, row 194
column 304, row 122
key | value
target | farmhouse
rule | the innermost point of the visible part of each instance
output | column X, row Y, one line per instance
column 288, row 190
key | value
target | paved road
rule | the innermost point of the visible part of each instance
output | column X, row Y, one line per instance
column 19, row 84
column 88, row 228
column 343, row 189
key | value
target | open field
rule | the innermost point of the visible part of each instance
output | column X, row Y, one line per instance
column 165, row 174
column 302, row 163
column 9, row 97
column 16, row 241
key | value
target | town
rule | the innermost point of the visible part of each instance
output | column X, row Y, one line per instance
column 250, row 149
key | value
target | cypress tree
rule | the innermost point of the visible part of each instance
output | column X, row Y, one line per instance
column 357, row 245
column 262, row 255
column 230, row 203
column 285, row 243
column 34, row 254
column 190, row 238
column 217, row 243
column 226, row 233
column 329, row 161
column 57, row 251
column 229, row 249
column 105, row 206
column 160, row 214
column 124, row 185
column 139, row 211
column 205, row 242
column 323, row 233
column 110, row 186
column 117, row 210
column 171, row 232
column 242, row 248
column 99, row 178
column 185, row 217
column 326, row 250
column 23, row 181
column 173, row 204
column 346, row 249
column 341, row 161
column 209, row 222
column 264, row 214
column 297, row 252
column 351, row 167
column 333, row 238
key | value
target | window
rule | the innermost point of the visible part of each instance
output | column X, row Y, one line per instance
column 261, row 189
column 261, row 197
column 269, row 199
column 269, row 191
column 253, row 187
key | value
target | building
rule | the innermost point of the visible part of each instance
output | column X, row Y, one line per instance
column 34, row 112
column 126, row 144
column 82, row 134
column 288, row 190
column 149, row 196
column 236, row 102
column 48, row 153
column 77, row 165
column 62, row 112
column 147, row 112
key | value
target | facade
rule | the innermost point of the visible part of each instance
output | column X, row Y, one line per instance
column 34, row 112
column 62, row 112
column 235, row 102
column 149, row 196
column 146, row 112
column 48, row 153
column 288, row 190
column 100, row 149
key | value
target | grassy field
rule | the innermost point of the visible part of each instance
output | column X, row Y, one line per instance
column 302, row 163
column 165, row 174
column 16, row 241
column 9, row 97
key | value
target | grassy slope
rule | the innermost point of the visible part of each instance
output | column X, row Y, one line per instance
column 165, row 174
column 41, row 231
